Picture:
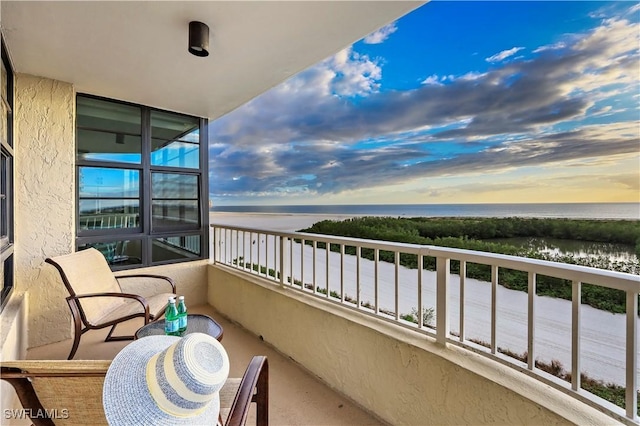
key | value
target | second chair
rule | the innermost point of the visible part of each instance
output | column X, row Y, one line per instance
column 98, row 299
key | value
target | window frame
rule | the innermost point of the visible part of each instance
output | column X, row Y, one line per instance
column 7, row 184
column 145, row 232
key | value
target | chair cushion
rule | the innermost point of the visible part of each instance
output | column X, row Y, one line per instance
column 157, row 305
column 88, row 272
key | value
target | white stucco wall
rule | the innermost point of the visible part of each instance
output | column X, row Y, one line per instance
column 400, row 376
column 44, row 141
column 190, row 279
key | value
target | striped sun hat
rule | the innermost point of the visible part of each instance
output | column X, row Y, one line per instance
column 166, row 380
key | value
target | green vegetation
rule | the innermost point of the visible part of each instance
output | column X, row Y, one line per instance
column 473, row 233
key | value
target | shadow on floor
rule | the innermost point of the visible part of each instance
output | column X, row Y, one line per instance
column 296, row 397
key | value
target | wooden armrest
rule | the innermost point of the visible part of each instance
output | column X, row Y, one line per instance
column 256, row 377
column 88, row 376
column 38, row 367
column 54, row 385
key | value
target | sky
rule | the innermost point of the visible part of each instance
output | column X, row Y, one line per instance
column 456, row 102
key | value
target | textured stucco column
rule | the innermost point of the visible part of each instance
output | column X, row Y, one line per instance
column 44, row 141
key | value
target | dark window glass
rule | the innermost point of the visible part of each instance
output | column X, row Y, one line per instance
column 7, row 274
column 4, row 106
column 5, row 171
column 175, row 201
column 175, row 140
column 109, row 198
column 6, row 176
column 122, row 252
column 108, row 131
column 100, row 145
column 173, row 127
column 140, row 182
column 101, row 182
column 175, row 186
column 175, row 154
column 175, row 248
column 106, row 115
column 109, row 214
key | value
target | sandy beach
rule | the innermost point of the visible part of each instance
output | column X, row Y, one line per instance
column 273, row 221
column 602, row 333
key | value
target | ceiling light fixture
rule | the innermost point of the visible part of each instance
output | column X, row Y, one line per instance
column 198, row 39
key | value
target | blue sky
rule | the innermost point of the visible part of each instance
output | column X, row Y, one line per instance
column 456, row 102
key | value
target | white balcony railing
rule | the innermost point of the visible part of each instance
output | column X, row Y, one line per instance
column 386, row 290
column 109, row 220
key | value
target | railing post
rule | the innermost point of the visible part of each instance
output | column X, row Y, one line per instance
column 631, row 398
column 313, row 265
column 212, row 244
column 420, row 301
column 463, row 277
column 358, row 278
column 576, row 288
column 302, row 242
column 494, row 308
column 531, row 356
column 397, row 287
column 376, row 276
column 283, row 259
column 342, row 273
column 442, row 299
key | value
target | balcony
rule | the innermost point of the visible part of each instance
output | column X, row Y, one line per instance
column 296, row 397
column 334, row 326
column 343, row 353
column 355, row 340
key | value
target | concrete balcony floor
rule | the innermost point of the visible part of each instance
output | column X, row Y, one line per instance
column 296, row 397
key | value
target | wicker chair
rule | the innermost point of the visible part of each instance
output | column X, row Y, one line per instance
column 70, row 392
column 98, row 299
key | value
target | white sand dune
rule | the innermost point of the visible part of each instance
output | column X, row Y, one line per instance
column 602, row 334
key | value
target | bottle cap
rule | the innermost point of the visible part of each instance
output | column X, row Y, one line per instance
column 181, row 298
column 172, row 299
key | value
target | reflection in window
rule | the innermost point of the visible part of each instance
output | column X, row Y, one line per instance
column 122, row 252
column 108, row 131
column 140, row 182
column 168, row 126
column 109, row 198
column 175, row 154
column 174, row 248
column 175, row 201
column 98, row 145
column 175, row 140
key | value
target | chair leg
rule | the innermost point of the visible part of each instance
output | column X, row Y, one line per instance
column 111, row 338
column 77, row 332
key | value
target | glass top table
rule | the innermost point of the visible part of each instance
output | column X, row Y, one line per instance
column 196, row 323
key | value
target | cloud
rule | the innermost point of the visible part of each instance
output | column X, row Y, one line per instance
column 333, row 128
column 498, row 57
column 381, row 35
column 556, row 46
column 432, row 79
column 355, row 74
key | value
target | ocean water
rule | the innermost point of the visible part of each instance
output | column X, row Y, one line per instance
column 564, row 210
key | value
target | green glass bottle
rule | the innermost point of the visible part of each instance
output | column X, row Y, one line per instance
column 182, row 315
column 171, row 318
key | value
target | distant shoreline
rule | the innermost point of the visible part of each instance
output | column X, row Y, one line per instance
column 629, row 211
column 293, row 222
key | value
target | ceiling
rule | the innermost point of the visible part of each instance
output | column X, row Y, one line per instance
column 137, row 51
